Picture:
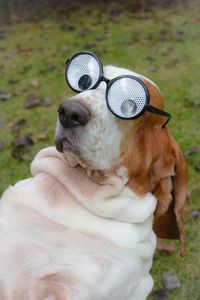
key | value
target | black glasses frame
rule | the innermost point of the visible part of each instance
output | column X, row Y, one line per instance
column 147, row 107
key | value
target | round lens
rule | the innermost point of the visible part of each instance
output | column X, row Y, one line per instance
column 127, row 97
column 85, row 82
column 83, row 71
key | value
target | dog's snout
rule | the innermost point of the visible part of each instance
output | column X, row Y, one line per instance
column 73, row 113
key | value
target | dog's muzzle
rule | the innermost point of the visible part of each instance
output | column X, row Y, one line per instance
column 73, row 113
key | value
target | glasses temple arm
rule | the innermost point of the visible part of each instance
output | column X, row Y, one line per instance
column 158, row 111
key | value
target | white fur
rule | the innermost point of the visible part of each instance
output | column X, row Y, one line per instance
column 49, row 226
column 62, row 235
column 94, row 141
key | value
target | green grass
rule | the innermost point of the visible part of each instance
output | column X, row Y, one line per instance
column 143, row 34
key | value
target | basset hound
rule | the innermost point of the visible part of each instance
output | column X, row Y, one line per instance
column 84, row 226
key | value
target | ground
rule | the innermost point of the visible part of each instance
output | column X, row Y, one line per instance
column 161, row 43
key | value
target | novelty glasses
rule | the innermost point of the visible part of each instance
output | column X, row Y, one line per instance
column 127, row 96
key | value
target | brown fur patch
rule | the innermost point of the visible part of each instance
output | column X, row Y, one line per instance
column 155, row 164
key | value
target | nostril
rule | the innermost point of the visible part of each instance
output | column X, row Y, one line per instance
column 75, row 118
column 61, row 110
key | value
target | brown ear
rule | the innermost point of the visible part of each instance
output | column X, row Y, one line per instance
column 156, row 164
column 171, row 193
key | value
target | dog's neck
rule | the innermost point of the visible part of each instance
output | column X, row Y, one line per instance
column 110, row 199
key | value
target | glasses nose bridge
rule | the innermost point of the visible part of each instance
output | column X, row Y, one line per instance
column 102, row 79
column 106, row 80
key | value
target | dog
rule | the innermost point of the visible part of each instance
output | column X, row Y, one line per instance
column 84, row 226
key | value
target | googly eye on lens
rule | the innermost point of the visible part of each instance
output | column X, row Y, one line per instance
column 127, row 96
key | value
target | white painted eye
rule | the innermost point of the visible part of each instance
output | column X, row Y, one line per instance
column 83, row 72
column 126, row 97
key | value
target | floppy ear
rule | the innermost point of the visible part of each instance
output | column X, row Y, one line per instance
column 171, row 193
column 155, row 164
column 169, row 172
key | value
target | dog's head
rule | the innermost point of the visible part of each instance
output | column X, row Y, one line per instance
column 89, row 134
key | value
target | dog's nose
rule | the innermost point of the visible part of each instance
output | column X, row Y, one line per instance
column 73, row 113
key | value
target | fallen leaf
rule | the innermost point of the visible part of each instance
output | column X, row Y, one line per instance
column 14, row 66
column 160, row 293
column 161, row 246
column 13, row 80
column 8, row 56
column 168, row 65
column 180, row 32
column 12, row 174
column 99, row 37
column 153, row 69
column 65, row 50
column 45, row 101
column 28, row 51
column 4, row 96
column 83, row 32
column 197, row 191
column 197, row 168
column 34, row 83
column 89, row 46
column 60, row 70
column 69, row 27
column 194, row 213
column 23, row 140
column 46, row 36
column 169, row 48
column 17, row 93
column 16, row 153
column 156, row 20
column 116, row 13
column 46, row 26
column 122, row 41
column 22, row 123
column 2, row 30
column 50, row 68
column 189, row 192
column 26, row 157
column 25, row 69
column 188, row 152
column 42, row 137
column 150, row 58
column 192, row 103
column 149, row 37
column 1, row 145
column 163, row 37
column 33, row 26
column 195, row 149
column 32, row 100
column 175, row 60
column 171, row 281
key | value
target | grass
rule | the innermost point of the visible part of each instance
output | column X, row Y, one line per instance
column 166, row 39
